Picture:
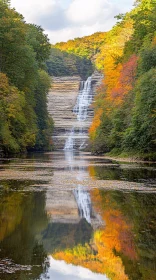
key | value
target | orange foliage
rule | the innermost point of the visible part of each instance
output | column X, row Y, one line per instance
column 96, row 122
column 117, row 234
column 115, row 74
column 115, row 237
column 126, row 79
column 154, row 41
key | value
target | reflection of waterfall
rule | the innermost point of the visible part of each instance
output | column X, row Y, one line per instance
column 82, row 196
column 84, row 100
column 69, row 145
column 84, row 203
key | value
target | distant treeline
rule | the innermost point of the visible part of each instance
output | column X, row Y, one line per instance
column 88, row 46
column 61, row 63
column 75, row 57
column 24, row 83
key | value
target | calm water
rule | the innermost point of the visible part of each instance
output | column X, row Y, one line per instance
column 73, row 216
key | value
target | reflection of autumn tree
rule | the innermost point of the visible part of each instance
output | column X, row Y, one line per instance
column 23, row 218
column 125, row 247
column 10, row 216
column 130, row 214
column 118, row 232
column 101, row 255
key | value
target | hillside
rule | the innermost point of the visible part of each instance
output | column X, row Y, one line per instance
column 24, row 84
column 125, row 108
column 75, row 57
column 62, row 63
column 124, row 119
column 88, row 46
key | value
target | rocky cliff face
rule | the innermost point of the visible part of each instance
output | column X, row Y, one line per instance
column 62, row 208
column 97, row 78
column 61, row 100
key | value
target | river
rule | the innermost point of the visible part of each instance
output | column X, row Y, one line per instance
column 70, row 215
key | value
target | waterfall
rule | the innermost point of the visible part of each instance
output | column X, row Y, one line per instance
column 80, row 109
column 83, row 102
column 84, row 203
column 69, row 145
column 82, row 196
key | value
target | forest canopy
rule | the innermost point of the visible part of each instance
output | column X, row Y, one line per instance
column 62, row 63
column 24, row 84
column 125, row 106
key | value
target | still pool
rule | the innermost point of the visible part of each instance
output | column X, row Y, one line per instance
column 72, row 216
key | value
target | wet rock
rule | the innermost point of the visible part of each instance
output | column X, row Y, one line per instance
column 61, row 207
column 61, row 101
column 9, row 267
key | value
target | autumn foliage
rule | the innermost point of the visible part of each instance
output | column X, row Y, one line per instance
column 120, row 123
column 24, row 120
column 115, row 237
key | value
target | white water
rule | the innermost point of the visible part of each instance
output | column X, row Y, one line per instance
column 84, row 203
column 83, row 102
column 69, row 145
column 82, row 196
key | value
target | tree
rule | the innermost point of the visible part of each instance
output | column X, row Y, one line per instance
column 23, row 51
column 44, row 122
column 141, row 135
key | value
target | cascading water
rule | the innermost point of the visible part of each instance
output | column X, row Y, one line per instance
column 83, row 202
column 69, row 145
column 83, row 102
column 82, row 196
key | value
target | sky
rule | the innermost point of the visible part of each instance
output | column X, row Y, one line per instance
column 67, row 19
column 61, row 271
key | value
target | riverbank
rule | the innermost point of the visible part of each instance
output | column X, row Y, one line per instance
column 131, row 157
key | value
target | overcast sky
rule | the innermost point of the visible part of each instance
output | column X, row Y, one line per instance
column 66, row 19
column 61, row 271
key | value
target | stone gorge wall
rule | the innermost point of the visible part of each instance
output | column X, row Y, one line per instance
column 61, row 101
column 62, row 208
column 97, row 78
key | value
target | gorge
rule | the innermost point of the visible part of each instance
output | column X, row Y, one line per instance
column 68, row 210
column 67, row 102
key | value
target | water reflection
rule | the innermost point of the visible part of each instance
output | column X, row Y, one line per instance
column 84, row 203
column 22, row 219
column 126, row 247
column 46, row 232
column 61, row 271
column 82, row 196
column 125, row 172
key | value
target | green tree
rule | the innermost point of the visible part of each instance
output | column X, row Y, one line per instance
column 24, row 49
column 44, row 122
column 141, row 135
